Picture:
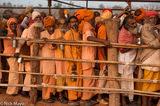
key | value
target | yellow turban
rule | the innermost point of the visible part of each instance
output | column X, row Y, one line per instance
column 49, row 21
column 106, row 15
column 141, row 15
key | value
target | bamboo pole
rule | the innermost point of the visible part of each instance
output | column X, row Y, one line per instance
column 100, row 90
column 85, row 76
column 80, row 60
column 78, row 43
column 112, row 33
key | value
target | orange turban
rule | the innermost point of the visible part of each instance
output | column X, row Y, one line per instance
column 89, row 14
column 84, row 14
column 80, row 14
column 49, row 21
column 9, row 22
column 141, row 16
column 9, row 29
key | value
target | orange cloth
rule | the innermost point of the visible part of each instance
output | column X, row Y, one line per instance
column 9, row 22
column 84, row 14
column 8, row 49
column 60, row 65
column 49, row 21
column 141, row 16
column 88, row 53
column 13, row 77
column 47, row 51
column 80, row 26
column 102, row 34
column 73, row 52
column 27, row 79
column 80, row 14
column 89, row 15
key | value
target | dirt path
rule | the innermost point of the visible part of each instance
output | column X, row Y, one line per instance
column 6, row 100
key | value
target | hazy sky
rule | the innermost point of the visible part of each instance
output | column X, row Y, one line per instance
column 81, row 3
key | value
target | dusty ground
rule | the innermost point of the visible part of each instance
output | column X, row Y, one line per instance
column 6, row 100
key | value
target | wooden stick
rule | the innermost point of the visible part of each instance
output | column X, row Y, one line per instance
column 78, row 43
column 81, row 60
column 103, row 90
column 84, row 76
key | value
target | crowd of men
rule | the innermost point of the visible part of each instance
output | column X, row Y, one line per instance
column 138, row 27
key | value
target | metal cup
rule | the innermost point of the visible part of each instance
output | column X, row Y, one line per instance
column 61, row 47
column 74, row 79
column 14, row 43
column 139, row 41
column 19, row 60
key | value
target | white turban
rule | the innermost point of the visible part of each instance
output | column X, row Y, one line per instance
column 35, row 14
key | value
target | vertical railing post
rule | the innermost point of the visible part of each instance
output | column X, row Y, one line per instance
column 34, row 69
column 112, row 33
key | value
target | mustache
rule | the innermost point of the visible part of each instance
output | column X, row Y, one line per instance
column 133, row 30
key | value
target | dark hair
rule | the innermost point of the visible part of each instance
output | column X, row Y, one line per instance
column 72, row 18
column 127, row 18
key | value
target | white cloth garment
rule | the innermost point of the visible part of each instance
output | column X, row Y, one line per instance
column 126, row 71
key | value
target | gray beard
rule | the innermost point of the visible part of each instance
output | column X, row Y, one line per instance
column 133, row 31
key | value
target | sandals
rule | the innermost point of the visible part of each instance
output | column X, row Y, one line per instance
column 73, row 103
column 102, row 101
column 88, row 103
column 62, row 100
column 49, row 100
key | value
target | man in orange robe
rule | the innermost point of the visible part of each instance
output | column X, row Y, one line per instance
column 48, row 50
column 73, row 68
column 59, row 53
column 89, row 53
column 13, row 78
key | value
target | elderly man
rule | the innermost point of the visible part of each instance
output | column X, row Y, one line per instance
column 89, row 53
column 59, row 53
column 48, row 50
column 23, row 49
column 150, row 37
column 36, row 16
column 9, row 48
column 128, row 35
column 73, row 68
